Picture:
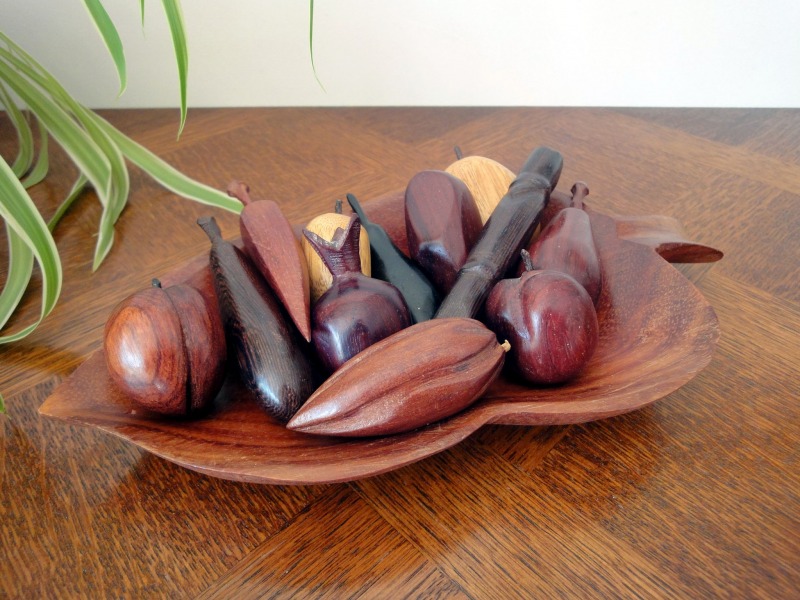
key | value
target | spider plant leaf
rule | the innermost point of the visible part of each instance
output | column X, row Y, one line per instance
column 20, row 268
column 39, row 171
column 116, row 195
column 111, row 38
column 172, row 8
column 25, row 153
column 22, row 216
column 166, row 175
column 75, row 141
column 80, row 185
column 141, row 9
column 311, row 42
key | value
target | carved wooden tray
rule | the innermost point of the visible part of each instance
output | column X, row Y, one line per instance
column 657, row 332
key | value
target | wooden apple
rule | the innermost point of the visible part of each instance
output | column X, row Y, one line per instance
column 550, row 322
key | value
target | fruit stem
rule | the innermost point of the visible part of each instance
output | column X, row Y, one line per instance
column 209, row 225
column 579, row 191
column 240, row 190
column 526, row 259
column 337, row 207
column 156, row 283
column 506, row 346
column 459, row 154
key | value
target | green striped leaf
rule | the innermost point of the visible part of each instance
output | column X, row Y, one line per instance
column 111, row 38
column 25, row 152
column 39, row 171
column 311, row 42
column 172, row 8
column 22, row 216
column 166, row 175
column 80, row 185
column 83, row 151
column 20, row 268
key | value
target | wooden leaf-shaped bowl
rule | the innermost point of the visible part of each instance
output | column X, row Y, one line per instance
column 657, row 332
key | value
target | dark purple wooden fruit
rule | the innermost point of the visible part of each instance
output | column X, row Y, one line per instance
column 567, row 245
column 442, row 224
column 356, row 311
column 550, row 322
column 270, row 354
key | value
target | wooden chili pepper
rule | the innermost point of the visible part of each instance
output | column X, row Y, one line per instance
column 391, row 265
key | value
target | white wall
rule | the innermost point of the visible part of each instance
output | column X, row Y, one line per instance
column 430, row 52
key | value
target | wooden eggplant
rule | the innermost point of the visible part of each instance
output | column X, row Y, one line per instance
column 513, row 222
column 487, row 180
column 356, row 311
column 165, row 349
column 325, row 226
column 270, row 354
column 417, row 376
column 567, row 245
column 271, row 244
column 442, row 225
column 389, row 264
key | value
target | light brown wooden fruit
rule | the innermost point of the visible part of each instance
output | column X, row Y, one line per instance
column 487, row 179
column 325, row 226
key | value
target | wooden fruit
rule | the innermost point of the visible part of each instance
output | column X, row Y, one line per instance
column 559, row 200
column 389, row 264
column 271, row 244
column 658, row 333
column 550, row 321
column 487, row 180
column 513, row 222
column 567, row 245
column 442, row 224
column 417, row 376
column 270, row 354
column 356, row 311
column 165, row 349
column 325, row 226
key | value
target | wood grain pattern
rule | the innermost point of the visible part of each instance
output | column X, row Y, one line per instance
column 697, row 495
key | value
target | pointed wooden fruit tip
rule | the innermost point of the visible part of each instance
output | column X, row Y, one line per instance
column 239, row 190
column 354, row 204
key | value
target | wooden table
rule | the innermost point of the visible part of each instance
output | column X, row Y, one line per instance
column 697, row 495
